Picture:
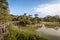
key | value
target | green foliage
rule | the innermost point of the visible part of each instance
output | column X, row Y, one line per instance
column 48, row 18
column 4, row 16
column 36, row 15
column 51, row 24
column 24, row 20
column 28, row 19
column 12, row 33
column 19, row 34
column 27, row 35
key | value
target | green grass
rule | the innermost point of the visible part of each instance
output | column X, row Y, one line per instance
column 29, row 27
column 27, row 32
column 22, row 33
column 51, row 24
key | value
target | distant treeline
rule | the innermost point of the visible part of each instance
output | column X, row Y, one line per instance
column 47, row 18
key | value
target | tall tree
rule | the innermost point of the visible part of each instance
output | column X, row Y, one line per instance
column 4, row 11
column 4, row 14
column 36, row 15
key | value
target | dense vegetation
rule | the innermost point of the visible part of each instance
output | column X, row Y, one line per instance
column 30, row 20
column 24, row 26
column 4, row 14
column 18, row 34
column 48, row 18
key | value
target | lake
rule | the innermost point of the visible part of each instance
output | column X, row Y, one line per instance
column 49, row 33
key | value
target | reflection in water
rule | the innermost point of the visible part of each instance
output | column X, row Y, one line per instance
column 49, row 32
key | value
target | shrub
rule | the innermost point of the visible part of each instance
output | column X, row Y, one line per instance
column 16, row 34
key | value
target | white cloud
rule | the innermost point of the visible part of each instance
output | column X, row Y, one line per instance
column 48, row 9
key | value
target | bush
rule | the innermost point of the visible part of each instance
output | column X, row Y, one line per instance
column 16, row 34
column 27, row 35
column 12, row 33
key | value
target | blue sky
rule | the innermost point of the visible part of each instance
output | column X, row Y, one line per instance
column 19, row 7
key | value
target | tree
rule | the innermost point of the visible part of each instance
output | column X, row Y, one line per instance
column 36, row 15
column 51, row 18
column 24, row 19
column 4, row 16
column 25, row 14
column 36, row 19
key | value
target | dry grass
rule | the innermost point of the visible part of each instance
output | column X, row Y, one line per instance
column 51, row 24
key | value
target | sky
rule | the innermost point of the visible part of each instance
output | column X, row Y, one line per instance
column 40, row 7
